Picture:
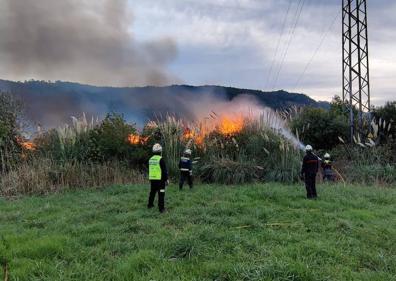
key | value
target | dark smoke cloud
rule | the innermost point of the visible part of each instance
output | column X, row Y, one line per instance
column 79, row 40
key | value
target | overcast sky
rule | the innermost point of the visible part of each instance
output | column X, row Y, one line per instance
column 233, row 43
column 219, row 42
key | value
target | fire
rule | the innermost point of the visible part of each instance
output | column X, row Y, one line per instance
column 188, row 134
column 136, row 139
column 200, row 139
column 27, row 145
column 197, row 136
column 227, row 125
column 230, row 125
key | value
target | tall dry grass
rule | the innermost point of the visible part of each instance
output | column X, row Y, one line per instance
column 171, row 131
column 41, row 176
column 259, row 151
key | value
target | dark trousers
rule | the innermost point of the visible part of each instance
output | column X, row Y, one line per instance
column 185, row 175
column 160, row 189
column 310, row 185
column 328, row 175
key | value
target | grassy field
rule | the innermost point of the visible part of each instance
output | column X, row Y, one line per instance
column 259, row 232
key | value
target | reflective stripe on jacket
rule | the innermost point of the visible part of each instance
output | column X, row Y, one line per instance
column 185, row 164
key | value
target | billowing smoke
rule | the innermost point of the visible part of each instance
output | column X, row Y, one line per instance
column 90, row 41
column 248, row 107
column 87, row 41
column 53, row 104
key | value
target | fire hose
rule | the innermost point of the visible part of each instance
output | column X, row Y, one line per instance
column 335, row 170
column 339, row 175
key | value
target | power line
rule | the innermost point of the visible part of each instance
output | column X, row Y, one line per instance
column 297, row 18
column 278, row 44
column 316, row 51
column 300, row 7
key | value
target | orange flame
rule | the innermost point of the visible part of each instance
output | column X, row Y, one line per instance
column 29, row 145
column 26, row 145
column 188, row 134
column 227, row 125
column 231, row 125
column 136, row 139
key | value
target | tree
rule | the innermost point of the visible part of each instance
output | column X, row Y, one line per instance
column 109, row 141
column 10, row 112
column 321, row 128
column 339, row 107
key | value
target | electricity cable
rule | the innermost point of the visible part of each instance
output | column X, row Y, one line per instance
column 278, row 44
column 292, row 32
column 316, row 51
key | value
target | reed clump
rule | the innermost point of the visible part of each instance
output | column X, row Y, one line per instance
column 78, row 155
column 255, row 149
column 234, row 149
column 42, row 176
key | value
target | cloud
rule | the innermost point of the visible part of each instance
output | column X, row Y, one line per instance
column 224, row 42
column 234, row 42
column 79, row 40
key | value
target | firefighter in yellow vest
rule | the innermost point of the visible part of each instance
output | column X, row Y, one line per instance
column 158, row 176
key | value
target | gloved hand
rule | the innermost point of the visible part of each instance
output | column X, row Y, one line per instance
column 190, row 173
column 167, row 183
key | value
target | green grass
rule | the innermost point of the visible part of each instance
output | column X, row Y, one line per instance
column 257, row 232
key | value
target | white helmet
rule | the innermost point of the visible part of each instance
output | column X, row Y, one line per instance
column 308, row 148
column 327, row 156
column 188, row 151
column 157, row 148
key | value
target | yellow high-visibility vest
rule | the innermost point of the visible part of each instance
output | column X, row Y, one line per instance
column 155, row 168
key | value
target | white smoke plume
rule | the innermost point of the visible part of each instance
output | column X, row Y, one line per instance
column 209, row 106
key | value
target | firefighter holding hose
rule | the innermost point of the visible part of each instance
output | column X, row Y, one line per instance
column 309, row 170
column 158, row 176
column 185, row 166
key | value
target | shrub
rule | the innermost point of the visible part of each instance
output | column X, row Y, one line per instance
column 10, row 149
column 41, row 175
column 109, row 140
column 227, row 171
column 369, row 165
column 257, row 152
column 387, row 113
column 375, row 174
column 280, row 158
column 320, row 128
column 93, row 142
column 70, row 142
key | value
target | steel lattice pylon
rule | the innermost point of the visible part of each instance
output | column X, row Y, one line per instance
column 356, row 82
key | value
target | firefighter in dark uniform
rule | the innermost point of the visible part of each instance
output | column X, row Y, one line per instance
column 158, row 176
column 185, row 166
column 309, row 170
column 327, row 168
